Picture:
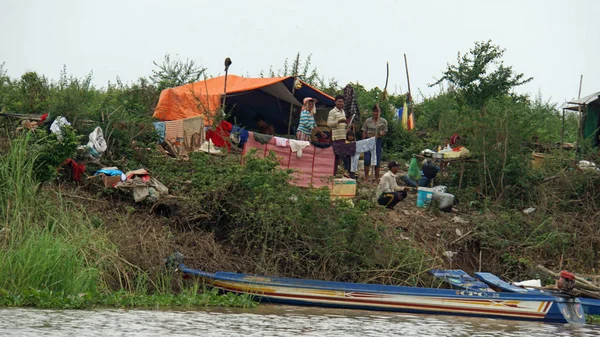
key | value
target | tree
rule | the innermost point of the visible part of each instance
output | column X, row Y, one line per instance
column 480, row 77
column 173, row 73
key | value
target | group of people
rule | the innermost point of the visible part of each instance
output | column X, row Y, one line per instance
column 375, row 126
column 389, row 193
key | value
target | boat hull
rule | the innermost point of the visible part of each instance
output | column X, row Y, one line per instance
column 534, row 307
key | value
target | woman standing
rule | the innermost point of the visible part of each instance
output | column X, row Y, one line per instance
column 307, row 120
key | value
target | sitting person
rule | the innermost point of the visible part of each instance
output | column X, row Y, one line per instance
column 388, row 191
column 428, row 172
column 264, row 127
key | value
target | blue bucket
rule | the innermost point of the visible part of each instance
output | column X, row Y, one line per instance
column 424, row 196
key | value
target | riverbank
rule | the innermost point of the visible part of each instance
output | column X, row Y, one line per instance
column 81, row 245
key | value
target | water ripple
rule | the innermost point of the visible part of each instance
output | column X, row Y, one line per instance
column 266, row 320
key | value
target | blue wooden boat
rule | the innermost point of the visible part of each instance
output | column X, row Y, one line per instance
column 590, row 306
column 529, row 306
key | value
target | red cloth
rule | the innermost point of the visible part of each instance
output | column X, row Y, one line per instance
column 220, row 136
column 454, row 139
column 76, row 169
column 43, row 118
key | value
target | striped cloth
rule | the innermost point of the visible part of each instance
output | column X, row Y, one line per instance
column 307, row 122
column 174, row 131
column 302, row 136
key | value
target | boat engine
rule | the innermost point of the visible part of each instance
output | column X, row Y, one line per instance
column 566, row 281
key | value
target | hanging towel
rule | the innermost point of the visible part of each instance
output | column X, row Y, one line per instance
column 365, row 145
column 282, row 142
column 344, row 149
column 262, row 138
column 192, row 126
column 297, row 146
column 174, row 131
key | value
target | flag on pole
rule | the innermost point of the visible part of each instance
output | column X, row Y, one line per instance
column 405, row 116
column 411, row 122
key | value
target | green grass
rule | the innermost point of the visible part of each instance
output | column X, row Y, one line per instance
column 191, row 297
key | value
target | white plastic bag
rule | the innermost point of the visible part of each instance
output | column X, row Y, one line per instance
column 97, row 144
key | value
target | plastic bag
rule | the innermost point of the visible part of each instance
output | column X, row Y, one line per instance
column 414, row 172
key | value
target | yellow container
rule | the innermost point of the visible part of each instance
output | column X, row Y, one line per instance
column 343, row 188
column 537, row 159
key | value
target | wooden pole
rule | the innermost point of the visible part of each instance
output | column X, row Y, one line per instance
column 227, row 64
column 295, row 74
column 580, row 120
column 562, row 135
column 408, row 80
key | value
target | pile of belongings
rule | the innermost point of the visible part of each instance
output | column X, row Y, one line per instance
column 448, row 152
column 143, row 186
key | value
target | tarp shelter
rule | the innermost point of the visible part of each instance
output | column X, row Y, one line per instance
column 270, row 98
column 589, row 118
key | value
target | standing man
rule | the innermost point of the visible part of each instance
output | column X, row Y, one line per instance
column 374, row 127
column 338, row 124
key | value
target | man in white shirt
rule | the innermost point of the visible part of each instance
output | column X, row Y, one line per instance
column 336, row 120
column 388, row 191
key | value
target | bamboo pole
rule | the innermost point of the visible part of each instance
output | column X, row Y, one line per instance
column 410, row 106
column 579, row 119
column 295, row 74
column 227, row 64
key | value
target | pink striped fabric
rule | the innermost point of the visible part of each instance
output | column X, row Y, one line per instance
column 314, row 168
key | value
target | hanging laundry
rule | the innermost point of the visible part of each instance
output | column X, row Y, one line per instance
column 365, row 145
column 297, row 146
column 241, row 134
column 281, row 142
column 220, row 135
column 262, row 138
column 174, row 131
column 160, row 128
column 191, row 127
column 344, row 149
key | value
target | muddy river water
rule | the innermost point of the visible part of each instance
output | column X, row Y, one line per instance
column 266, row 320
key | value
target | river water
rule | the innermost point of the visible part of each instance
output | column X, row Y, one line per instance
column 266, row 320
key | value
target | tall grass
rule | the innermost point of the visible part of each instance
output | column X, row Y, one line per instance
column 43, row 244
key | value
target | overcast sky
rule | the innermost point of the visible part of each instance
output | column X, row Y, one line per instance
column 553, row 41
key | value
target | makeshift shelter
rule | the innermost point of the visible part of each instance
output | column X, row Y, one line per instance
column 313, row 166
column 271, row 99
column 588, row 108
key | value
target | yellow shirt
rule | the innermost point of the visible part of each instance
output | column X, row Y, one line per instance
column 338, row 130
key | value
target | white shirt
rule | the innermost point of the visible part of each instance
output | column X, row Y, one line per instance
column 387, row 184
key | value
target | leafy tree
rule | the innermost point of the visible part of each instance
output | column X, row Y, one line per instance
column 481, row 75
column 478, row 79
column 173, row 73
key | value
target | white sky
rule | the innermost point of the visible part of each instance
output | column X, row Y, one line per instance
column 553, row 41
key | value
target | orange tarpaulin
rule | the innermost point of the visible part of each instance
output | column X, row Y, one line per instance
column 204, row 97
